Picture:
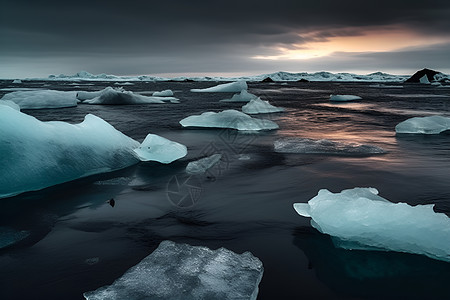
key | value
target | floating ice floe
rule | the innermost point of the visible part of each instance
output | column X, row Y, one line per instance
column 36, row 154
column 17, row 81
column 259, row 106
column 38, row 99
column 165, row 93
column 324, row 146
column 232, row 87
column 180, row 271
column 228, row 119
column 10, row 104
column 344, row 98
column 10, row 236
column 243, row 96
column 118, row 96
column 39, row 154
column 424, row 125
column 202, row 165
column 361, row 219
column 157, row 148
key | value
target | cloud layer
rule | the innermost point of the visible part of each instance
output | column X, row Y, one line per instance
column 174, row 36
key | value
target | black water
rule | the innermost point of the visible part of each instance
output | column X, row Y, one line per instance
column 79, row 242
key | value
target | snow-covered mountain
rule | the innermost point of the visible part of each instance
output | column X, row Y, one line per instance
column 278, row 76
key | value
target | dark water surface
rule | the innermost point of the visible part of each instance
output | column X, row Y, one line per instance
column 78, row 242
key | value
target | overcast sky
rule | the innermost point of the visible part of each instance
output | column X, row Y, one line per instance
column 180, row 37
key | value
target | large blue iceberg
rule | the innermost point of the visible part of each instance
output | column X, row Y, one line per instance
column 36, row 155
column 361, row 219
column 180, row 271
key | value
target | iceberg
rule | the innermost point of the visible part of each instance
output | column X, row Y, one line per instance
column 181, row 271
column 243, row 96
column 36, row 154
column 39, row 99
column 360, row 219
column 118, row 96
column 157, row 148
column 258, row 106
column 232, row 87
column 424, row 125
column 228, row 119
column 10, row 104
column 17, row 81
column 165, row 93
column 344, row 97
column 324, row 146
column 202, row 165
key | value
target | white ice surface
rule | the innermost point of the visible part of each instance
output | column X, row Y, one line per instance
column 165, row 93
column 361, row 218
column 232, row 87
column 157, row 148
column 202, row 165
column 424, row 125
column 259, row 106
column 36, row 154
column 38, row 99
column 181, row 271
column 324, row 146
column 344, row 97
column 10, row 104
column 228, row 119
column 243, row 96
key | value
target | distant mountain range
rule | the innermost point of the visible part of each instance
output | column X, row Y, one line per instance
column 278, row 76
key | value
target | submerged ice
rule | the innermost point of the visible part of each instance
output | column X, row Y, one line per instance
column 259, row 106
column 157, row 148
column 424, row 125
column 361, row 219
column 202, row 165
column 228, row 119
column 39, row 99
column 232, row 87
column 324, row 146
column 181, row 271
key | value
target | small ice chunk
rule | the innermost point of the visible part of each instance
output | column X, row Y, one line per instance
column 157, row 148
column 424, row 125
column 181, row 271
column 344, row 97
column 243, row 96
column 119, row 96
column 10, row 104
column 39, row 99
column 424, row 79
column 259, row 106
column 232, row 87
column 228, row 119
column 10, row 236
column 202, row 165
column 165, row 93
column 324, row 146
column 360, row 217
column 17, row 81
column 36, row 155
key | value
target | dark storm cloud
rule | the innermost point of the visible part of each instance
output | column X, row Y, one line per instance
column 180, row 30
